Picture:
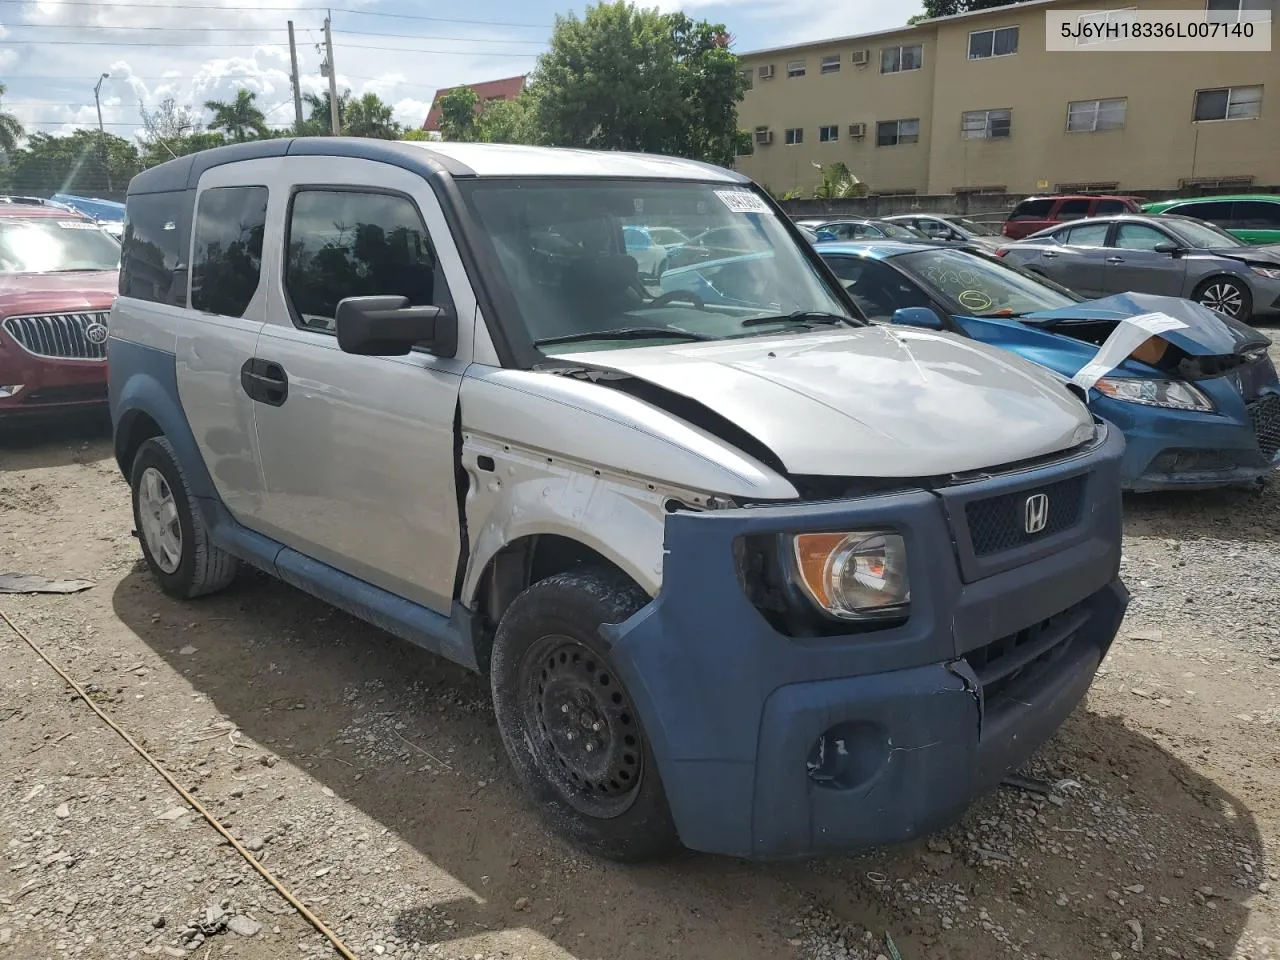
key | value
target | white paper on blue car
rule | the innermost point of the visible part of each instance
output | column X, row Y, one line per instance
column 1129, row 334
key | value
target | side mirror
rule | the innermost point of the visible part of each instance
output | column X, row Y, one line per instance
column 1167, row 246
column 389, row 327
column 921, row 317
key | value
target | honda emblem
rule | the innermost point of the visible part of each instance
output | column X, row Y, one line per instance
column 1036, row 513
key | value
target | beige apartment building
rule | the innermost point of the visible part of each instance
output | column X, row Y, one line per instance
column 974, row 103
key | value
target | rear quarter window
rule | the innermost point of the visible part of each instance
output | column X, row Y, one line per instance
column 1031, row 210
column 157, row 230
column 1214, row 211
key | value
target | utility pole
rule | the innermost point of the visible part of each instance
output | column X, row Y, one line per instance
column 293, row 78
column 333, row 75
column 102, row 133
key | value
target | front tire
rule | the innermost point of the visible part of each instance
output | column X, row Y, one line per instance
column 1227, row 296
column 569, row 724
column 175, row 541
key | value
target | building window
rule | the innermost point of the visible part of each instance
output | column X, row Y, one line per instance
column 986, row 124
column 748, row 77
column 984, row 44
column 900, row 59
column 227, row 260
column 890, row 133
column 1236, row 11
column 829, row 134
column 831, row 64
column 1101, row 19
column 795, row 68
column 1090, row 116
column 795, row 136
column 1229, row 103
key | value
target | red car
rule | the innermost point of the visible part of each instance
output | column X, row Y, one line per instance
column 58, row 275
column 1036, row 213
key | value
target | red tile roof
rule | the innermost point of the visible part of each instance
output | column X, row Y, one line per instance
column 506, row 89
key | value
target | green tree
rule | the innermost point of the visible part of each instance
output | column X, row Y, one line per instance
column 837, row 181
column 160, row 150
column 623, row 78
column 240, row 118
column 10, row 128
column 370, row 117
column 950, row 8
column 84, row 162
column 317, row 123
column 458, row 114
column 415, row 135
column 508, row 121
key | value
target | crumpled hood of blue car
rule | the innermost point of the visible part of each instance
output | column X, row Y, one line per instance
column 1206, row 334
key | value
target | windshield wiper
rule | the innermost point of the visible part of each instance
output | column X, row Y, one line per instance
column 626, row 333
column 806, row 317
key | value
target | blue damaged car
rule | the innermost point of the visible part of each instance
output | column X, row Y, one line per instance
column 1199, row 404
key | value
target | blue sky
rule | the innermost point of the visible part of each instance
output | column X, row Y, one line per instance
column 53, row 51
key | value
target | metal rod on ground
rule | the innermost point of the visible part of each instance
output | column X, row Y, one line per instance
column 293, row 79
column 333, row 77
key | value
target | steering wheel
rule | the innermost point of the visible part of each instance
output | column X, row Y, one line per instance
column 674, row 296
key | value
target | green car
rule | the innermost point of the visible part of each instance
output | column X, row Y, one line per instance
column 1253, row 217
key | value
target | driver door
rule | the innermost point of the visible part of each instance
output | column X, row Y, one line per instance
column 1132, row 263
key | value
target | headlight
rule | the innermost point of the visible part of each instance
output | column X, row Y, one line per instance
column 1173, row 394
column 854, row 575
column 1271, row 273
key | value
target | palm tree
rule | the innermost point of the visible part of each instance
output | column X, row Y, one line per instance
column 10, row 128
column 240, row 118
column 370, row 117
column 317, row 123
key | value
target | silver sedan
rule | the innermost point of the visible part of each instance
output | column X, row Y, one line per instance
column 1169, row 255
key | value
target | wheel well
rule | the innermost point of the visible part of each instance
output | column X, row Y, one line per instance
column 1221, row 276
column 135, row 430
column 521, row 564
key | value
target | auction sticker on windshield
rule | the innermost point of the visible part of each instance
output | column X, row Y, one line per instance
column 743, row 201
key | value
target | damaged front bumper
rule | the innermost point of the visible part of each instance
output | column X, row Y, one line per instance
column 772, row 746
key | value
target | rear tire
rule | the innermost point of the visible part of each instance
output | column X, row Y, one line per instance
column 1226, row 295
column 568, row 723
column 175, row 541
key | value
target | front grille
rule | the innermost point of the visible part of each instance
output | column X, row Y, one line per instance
column 60, row 335
column 1019, row 658
column 1264, row 417
column 998, row 523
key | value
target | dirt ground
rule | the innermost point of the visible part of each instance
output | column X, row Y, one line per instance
column 369, row 777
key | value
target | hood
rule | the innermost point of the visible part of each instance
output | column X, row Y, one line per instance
column 30, row 293
column 1268, row 253
column 869, row 401
column 1206, row 334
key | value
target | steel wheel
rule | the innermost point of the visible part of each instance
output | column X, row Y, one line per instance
column 158, row 518
column 582, row 726
column 1223, row 296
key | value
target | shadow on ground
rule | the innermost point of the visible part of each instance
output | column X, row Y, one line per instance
column 477, row 828
column 36, row 443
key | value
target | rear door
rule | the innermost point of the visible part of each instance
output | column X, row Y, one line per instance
column 1072, row 208
column 1078, row 259
column 1133, row 265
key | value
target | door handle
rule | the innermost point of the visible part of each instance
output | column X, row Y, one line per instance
column 264, row 381
column 1049, row 255
column 1115, row 259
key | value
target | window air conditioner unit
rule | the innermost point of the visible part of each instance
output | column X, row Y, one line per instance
column 857, row 130
column 764, row 137
column 766, row 72
column 860, row 58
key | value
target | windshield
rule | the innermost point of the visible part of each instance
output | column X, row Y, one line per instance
column 1196, row 234
column 976, row 286
column 55, row 246
column 899, row 231
column 972, row 226
column 561, row 251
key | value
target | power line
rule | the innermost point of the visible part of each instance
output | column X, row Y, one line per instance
column 272, row 30
column 254, row 43
column 313, row 9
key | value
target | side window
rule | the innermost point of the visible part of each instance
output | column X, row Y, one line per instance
column 347, row 244
column 156, row 231
column 878, row 289
column 227, row 260
column 1031, row 210
column 1138, row 236
column 1085, row 235
column 1214, row 211
column 1073, row 209
column 1106, row 208
column 1255, row 215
